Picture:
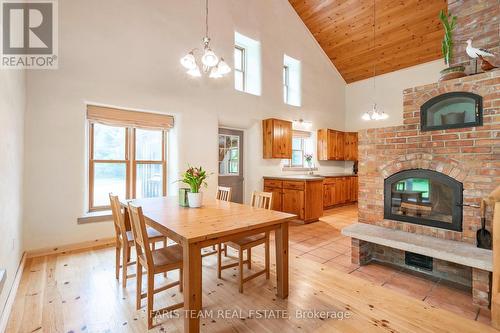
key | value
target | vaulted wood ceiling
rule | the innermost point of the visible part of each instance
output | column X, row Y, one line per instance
column 408, row 32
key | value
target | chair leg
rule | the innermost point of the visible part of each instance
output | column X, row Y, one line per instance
column 267, row 256
column 138, row 288
column 225, row 250
column 126, row 250
column 117, row 264
column 151, row 287
column 213, row 247
column 181, row 280
column 219, row 260
column 249, row 258
column 240, row 265
column 153, row 246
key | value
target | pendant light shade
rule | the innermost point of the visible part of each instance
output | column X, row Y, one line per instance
column 188, row 61
column 194, row 71
column 223, row 67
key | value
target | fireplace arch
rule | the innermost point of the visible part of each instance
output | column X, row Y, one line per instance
column 424, row 197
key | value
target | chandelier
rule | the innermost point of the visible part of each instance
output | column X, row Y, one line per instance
column 374, row 113
column 210, row 63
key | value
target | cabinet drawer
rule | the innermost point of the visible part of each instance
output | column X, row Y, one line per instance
column 330, row 180
column 293, row 185
column 274, row 183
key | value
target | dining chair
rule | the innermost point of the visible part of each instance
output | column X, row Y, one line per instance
column 155, row 261
column 259, row 200
column 223, row 194
column 125, row 240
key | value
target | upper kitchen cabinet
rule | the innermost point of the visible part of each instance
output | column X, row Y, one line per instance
column 277, row 138
column 351, row 146
column 337, row 145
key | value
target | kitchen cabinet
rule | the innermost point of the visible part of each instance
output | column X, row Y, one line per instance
column 339, row 190
column 303, row 198
column 277, row 138
column 336, row 145
column 351, row 146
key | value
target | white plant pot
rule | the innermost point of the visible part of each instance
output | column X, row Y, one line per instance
column 195, row 199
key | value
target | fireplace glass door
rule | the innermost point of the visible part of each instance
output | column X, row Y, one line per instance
column 452, row 110
column 424, row 197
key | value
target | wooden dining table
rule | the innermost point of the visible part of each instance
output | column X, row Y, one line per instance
column 215, row 222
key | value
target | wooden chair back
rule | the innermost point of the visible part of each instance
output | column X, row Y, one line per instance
column 262, row 200
column 140, row 234
column 118, row 219
column 223, row 193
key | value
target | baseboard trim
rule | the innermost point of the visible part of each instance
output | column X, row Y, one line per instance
column 4, row 316
column 103, row 242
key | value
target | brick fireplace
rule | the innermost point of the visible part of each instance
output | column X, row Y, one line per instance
column 470, row 156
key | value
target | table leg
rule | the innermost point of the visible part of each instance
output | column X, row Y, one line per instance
column 282, row 259
column 192, row 287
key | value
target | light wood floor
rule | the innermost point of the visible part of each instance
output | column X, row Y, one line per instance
column 77, row 292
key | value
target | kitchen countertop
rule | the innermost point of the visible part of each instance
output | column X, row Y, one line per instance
column 309, row 177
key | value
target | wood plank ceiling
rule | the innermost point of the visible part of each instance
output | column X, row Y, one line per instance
column 408, row 32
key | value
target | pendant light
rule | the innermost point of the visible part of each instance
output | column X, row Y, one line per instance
column 374, row 113
column 210, row 62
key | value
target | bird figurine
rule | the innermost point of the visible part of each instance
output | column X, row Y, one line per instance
column 476, row 53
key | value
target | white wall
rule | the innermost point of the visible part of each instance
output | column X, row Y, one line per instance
column 126, row 53
column 388, row 96
column 12, row 108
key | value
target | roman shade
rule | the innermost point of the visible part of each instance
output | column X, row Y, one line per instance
column 301, row 134
column 119, row 117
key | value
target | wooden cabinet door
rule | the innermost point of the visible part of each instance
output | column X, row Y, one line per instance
column 277, row 138
column 276, row 204
column 282, row 139
column 354, row 184
column 293, row 202
column 340, row 191
column 339, row 145
column 351, row 146
column 327, row 195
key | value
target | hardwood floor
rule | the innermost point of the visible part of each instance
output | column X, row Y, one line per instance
column 77, row 292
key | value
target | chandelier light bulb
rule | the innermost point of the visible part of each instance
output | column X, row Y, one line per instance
column 209, row 58
column 366, row 116
column 188, row 61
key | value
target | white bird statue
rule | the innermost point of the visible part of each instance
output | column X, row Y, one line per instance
column 475, row 53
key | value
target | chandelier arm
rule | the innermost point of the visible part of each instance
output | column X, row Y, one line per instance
column 206, row 18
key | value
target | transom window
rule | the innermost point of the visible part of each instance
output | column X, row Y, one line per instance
column 239, row 68
column 128, row 160
column 285, row 83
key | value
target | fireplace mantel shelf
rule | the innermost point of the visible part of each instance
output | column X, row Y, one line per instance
column 448, row 250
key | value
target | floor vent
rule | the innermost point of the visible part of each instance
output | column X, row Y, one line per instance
column 418, row 261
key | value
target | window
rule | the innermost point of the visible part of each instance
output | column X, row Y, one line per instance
column 229, row 152
column 291, row 81
column 285, row 84
column 239, row 68
column 301, row 144
column 127, row 155
column 247, row 64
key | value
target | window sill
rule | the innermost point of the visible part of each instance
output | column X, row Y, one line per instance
column 93, row 217
column 289, row 168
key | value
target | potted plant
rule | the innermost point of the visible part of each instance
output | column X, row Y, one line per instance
column 195, row 179
column 451, row 72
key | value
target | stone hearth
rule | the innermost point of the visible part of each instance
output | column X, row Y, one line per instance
column 468, row 155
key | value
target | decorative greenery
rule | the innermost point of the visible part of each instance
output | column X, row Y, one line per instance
column 447, row 43
column 308, row 157
column 195, row 178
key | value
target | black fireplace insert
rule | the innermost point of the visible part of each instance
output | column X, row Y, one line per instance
column 424, row 197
